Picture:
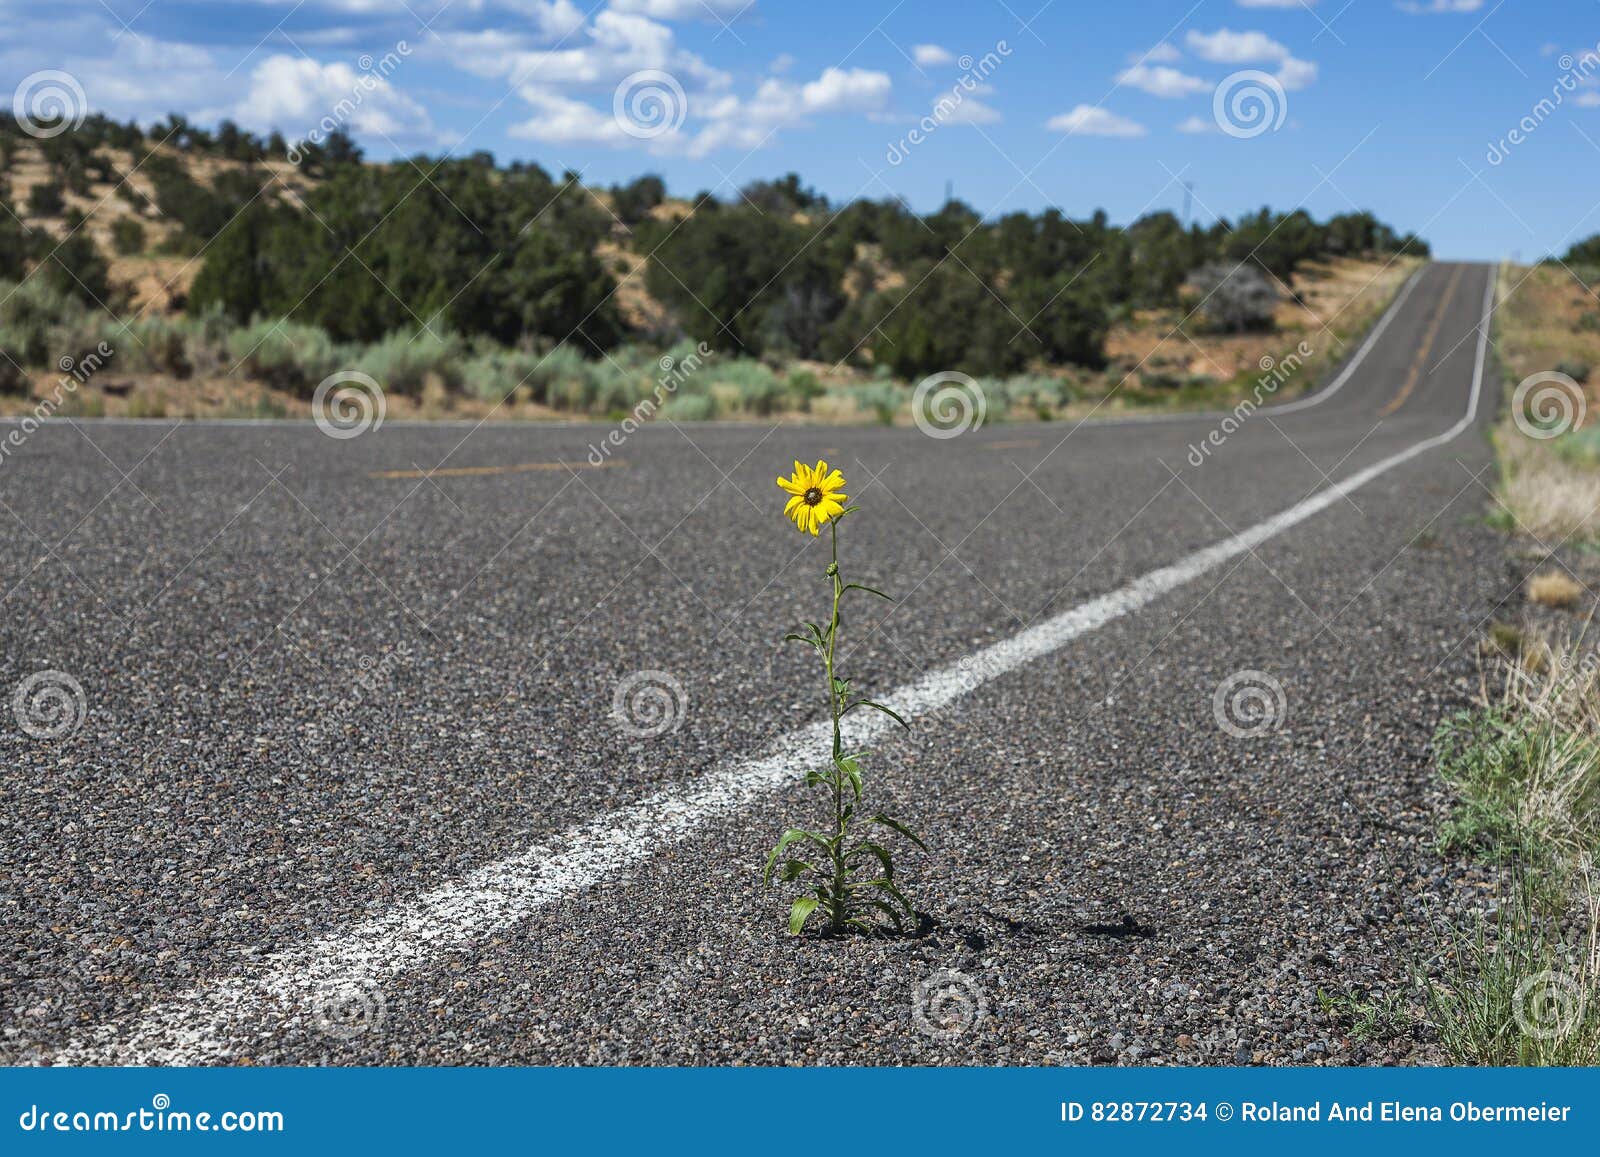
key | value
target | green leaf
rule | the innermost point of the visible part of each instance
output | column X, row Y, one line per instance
column 785, row 840
column 877, row 707
column 878, row 850
column 869, row 590
column 892, row 912
column 890, row 822
column 851, row 768
column 794, row 869
column 888, row 886
column 803, row 907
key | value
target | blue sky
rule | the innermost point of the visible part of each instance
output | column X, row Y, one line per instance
column 1393, row 106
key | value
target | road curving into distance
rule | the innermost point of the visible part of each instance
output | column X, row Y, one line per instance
column 356, row 779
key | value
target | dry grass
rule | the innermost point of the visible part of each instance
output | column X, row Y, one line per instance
column 1549, row 488
column 1541, row 320
column 1554, row 588
column 1338, row 299
column 1549, row 496
column 1521, row 985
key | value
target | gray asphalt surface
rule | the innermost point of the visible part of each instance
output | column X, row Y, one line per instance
column 313, row 693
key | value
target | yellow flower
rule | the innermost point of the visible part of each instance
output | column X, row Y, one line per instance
column 817, row 495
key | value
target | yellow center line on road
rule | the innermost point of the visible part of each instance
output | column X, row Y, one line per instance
column 1415, row 375
column 479, row 471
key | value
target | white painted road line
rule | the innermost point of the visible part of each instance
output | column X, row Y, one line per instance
column 216, row 1020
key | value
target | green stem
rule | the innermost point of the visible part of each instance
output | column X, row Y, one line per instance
column 836, row 913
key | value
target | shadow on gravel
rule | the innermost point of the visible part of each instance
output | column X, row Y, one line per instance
column 989, row 928
column 1122, row 930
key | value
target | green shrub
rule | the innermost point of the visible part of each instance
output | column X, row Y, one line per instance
column 157, row 345
column 402, row 362
column 563, row 378
column 494, row 374
column 34, row 319
column 1576, row 370
column 760, row 391
column 691, row 408
column 45, row 200
column 285, row 354
column 127, row 235
column 1037, row 391
column 881, row 400
column 804, row 388
column 618, row 386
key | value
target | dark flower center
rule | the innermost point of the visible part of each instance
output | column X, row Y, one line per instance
column 813, row 496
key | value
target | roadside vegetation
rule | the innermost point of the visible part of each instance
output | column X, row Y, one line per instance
column 1515, row 978
column 1548, row 323
column 230, row 279
column 1521, row 984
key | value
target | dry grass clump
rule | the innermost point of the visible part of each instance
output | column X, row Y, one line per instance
column 1549, row 495
column 1554, row 588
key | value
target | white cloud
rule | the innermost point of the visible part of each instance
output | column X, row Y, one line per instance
column 1197, row 124
column 552, row 19
column 1162, row 53
column 1089, row 121
column 1294, row 73
column 1588, row 98
column 614, row 46
column 295, row 94
column 776, row 104
column 931, row 54
column 1162, row 81
column 708, row 120
column 971, row 111
column 1432, row 6
column 1225, row 46
column 838, row 89
column 682, row 9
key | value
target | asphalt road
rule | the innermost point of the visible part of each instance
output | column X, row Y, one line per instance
column 349, row 787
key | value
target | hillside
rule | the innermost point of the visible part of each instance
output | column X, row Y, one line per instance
column 230, row 280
